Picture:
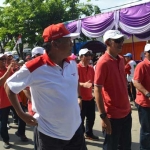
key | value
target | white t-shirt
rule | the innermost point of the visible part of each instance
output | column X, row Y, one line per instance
column 53, row 93
column 132, row 64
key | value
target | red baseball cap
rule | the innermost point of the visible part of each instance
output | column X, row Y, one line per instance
column 56, row 31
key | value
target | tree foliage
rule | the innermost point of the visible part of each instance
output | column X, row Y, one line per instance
column 30, row 17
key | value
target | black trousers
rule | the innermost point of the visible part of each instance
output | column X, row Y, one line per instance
column 88, row 111
column 144, row 118
column 131, row 91
column 14, row 115
column 44, row 142
column 120, row 139
column 4, row 113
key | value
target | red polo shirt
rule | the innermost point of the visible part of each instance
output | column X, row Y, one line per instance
column 4, row 101
column 86, row 74
column 142, row 74
column 110, row 74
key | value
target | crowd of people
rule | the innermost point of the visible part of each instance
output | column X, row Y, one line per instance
column 58, row 92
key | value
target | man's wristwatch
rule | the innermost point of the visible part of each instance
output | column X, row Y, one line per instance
column 148, row 95
column 103, row 115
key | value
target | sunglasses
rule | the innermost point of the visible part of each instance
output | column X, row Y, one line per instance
column 38, row 54
column 88, row 54
column 120, row 40
column 2, row 58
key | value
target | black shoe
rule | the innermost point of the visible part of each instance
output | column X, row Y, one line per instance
column 93, row 137
column 6, row 145
column 22, row 137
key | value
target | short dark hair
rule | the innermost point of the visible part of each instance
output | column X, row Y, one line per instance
column 47, row 46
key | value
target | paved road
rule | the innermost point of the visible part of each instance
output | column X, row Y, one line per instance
column 97, row 131
column 18, row 145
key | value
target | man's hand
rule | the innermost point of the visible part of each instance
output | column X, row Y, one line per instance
column 80, row 103
column 12, row 65
column 28, row 119
column 106, row 126
column 87, row 84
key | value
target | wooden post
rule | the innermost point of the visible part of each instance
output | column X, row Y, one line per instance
column 133, row 49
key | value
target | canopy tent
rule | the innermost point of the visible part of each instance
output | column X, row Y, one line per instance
column 134, row 20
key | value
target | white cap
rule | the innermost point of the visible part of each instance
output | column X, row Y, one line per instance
column 84, row 51
column 37, row 50
column 147, row 48
column 1, row 55
column 21, row 62
column 112, row 34
column 8, row 53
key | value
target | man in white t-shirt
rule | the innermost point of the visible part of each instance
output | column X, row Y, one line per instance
column 129, row 69
column 53, row 81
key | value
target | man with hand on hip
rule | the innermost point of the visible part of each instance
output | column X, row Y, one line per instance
column 50, row 77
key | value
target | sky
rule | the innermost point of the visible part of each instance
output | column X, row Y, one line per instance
column 1, row 2
column 104, row 4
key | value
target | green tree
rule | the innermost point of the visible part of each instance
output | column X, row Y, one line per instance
column 30, row 17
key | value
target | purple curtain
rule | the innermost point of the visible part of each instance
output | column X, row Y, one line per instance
column 96, row 25
column 133, row 20
column 72, row 27
column 136, row 20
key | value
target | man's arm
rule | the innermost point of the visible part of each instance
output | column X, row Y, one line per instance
column 27, row 93
column 106, row 126
column 14, row 101
column 140, row 87
column 79, row 97
column 6, row 75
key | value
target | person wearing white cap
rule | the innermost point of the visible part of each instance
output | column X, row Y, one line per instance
column 86, row 80
column 37, row 51
column 110, row 89
column 5, row 104
column 21, row 62
column 9, row 57
column 53, row 81
column 141, row 81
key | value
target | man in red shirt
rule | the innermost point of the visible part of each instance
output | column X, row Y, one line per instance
column 5, row 105
column 110, row 88
column 141, row 81
column 86, row 80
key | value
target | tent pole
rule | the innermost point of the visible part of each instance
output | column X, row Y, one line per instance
column 74, row 47
column 133, row 50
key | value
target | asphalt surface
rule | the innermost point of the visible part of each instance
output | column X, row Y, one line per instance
column 16, row 144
